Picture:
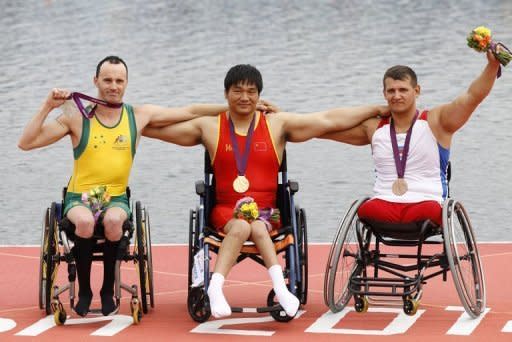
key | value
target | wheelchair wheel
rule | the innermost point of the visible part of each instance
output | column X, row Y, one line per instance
column 279, row 316
column 48, row 259
column 303, row 254
column 198, row 304
column 144, row 262
column 463, row 258
column 342, row 262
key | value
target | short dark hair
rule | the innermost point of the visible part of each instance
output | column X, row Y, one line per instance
column 400, row 72
column 243, row 73
column 111, row 60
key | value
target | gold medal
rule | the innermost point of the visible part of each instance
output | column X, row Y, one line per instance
column 241, row 184
column 399, row 187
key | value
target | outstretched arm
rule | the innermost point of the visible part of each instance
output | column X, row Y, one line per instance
column 160, row 116
column 302, row 127
column 452, row 116
column 37, row 133
column 186, row 133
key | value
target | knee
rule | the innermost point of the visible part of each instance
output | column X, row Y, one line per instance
column 240, row 230
column 84, row 226
column 259, row 231
column 113, row 225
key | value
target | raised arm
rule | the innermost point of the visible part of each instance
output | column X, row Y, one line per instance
column 450, row 117
column 302, row 127
column 37, row 132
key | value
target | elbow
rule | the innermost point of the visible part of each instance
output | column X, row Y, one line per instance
column 23, row 146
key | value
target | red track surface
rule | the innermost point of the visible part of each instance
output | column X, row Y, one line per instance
column 248, row 285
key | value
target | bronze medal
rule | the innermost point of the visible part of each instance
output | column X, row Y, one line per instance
column 241, row 184
column 399, row 187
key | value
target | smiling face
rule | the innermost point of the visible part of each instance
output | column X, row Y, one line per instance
column 242, row 98
column 400, row 94
column 111, row 82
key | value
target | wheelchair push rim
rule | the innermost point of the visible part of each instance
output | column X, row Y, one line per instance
column 48, row 258
column 143, row 256
column 343, row 254
column 303, row 254
column 463, row 258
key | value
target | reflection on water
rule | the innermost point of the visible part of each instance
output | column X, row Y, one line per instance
column 313, row 56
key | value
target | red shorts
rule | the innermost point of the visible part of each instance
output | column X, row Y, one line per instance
column 384, row 211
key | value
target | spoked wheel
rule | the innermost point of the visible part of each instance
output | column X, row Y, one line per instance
column 303, row 254
column 48, row 258
column 198, row 304
column 463, row 258
column 342, row 262
column 144, row 259
column 281, row 315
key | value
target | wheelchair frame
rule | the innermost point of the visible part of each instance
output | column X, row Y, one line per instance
column 352, row 251
column 294, row 228
column 56, row 247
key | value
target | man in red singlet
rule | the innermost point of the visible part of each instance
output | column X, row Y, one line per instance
column 241, row 133
column 411, row 148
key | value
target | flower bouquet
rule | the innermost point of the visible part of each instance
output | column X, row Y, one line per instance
column 247, row 209
column 97, row 198
column 480, row 40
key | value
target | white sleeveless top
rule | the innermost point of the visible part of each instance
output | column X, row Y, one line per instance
column 426, row 168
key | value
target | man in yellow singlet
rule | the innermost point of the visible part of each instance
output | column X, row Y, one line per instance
column 103, row 149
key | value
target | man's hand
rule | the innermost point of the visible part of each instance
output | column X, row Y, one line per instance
column 267, row 107
column 57, row 97
column 384, row 111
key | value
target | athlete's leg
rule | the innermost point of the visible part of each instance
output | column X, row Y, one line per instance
column 238, row 232
column 113, row 224
column 83, row 220
column 262, row 240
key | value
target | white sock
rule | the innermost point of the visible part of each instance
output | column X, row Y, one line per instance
column 218, row 304
column 288, row 301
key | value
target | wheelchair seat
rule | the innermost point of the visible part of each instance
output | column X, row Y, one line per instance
column 404, row 231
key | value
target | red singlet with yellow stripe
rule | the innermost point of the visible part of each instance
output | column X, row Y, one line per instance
column 262, row 170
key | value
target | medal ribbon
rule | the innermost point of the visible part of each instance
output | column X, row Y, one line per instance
column 75, row 96
column 241, row 161
column 400, row 163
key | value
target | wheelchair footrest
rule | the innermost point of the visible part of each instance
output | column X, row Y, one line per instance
column 263, row 309
column 395, row 286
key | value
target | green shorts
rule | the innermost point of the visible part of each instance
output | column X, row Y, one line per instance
column 73, row 199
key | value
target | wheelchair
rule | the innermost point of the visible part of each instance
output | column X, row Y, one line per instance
column 359, row 266
column 291, row 239
column 57, row 246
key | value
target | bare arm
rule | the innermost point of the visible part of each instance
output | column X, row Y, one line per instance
column 161, row 116
column 37, row 132
column 359, row 135
column 298, row 128
column 452, row 116
column 186, row 133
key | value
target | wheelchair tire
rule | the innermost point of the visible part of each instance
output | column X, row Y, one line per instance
column 281, row 315
column 303, row 254
column 48, row 258
column 463, row 258
column 143, row 256
column 198, row 304
column 191, row 245
column 344, row 252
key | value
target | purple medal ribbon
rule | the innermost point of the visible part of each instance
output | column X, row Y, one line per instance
column 494, row 49
column 75, row 96
column 400, row 163
column 241, row 161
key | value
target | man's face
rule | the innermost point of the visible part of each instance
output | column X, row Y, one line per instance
column 242, row 98
column 400, row 94
column 111, row 82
